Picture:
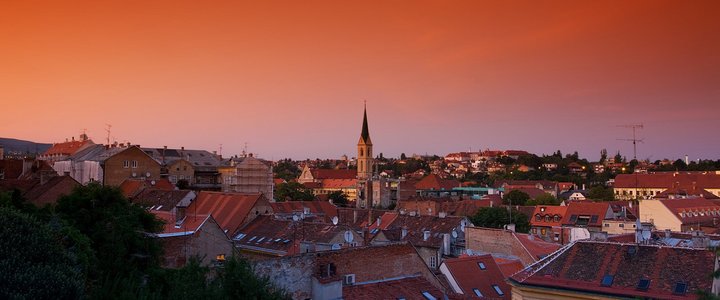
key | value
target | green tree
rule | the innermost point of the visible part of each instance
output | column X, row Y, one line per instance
column 182, row 184
column 238, row 281
column 603, row 155
column 402, row 156
column 286, row 169
column 34, row 262
column 543, row 199
column 618, row 158
column 516, row 197
column 119, row 231
column 293, row 191
column 498, row 217
column 338, row 198
column 600, row 192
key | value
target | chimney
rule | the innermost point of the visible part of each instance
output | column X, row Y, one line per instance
column 687, row 159
column 182, row 148
column 446, row 244
column 668, row 233
column 179, row 214
column 442, row 214
column 378, row 221
column 2, row 152
column 426, row 235
column 403, row 232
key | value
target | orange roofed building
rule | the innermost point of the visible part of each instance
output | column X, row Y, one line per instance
column 231, row 210
column 196, row 235
column 602, row 270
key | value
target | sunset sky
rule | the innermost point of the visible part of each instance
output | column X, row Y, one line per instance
column 289, row 77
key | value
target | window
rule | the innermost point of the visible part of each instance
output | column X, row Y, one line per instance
column 481, row 265
column 680, row 288
column 498, row 290
column 433, row 262
column 126, row 164
column 573, row 219
column 607, row 280
column 538, row 217
column 428, row 296
column 543, row 231
column 643, row 284
column 594, row 219
column 557, row 218
column 547, row 218
column 477, row 292
column 134, row 164
column 607, row 224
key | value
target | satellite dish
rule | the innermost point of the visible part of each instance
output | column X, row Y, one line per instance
column 348, row 236
column 335, row 247
column 454, row 234
column 147, row 174
column 152, row 182
column 335, row 220
column 469, row 251
column 295, row 218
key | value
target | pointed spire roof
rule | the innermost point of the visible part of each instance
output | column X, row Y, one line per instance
column 365, row 134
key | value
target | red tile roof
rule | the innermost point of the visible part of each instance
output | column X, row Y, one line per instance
column 338, row 183
column 584, row 265
column 406, row 288
column 51, row 191
column 324, row 209
column 545, row 211
column 693, row 210
column 320, row 174
column 282, row 237
column 508, row 267
column 417, row 225
column 434, row 182
column 535, row 246
column 597, row 211
column 667, row 180
column 190, row 224
column 469, row 275
column 132, row 187
column 230, row 210
column 67, row 148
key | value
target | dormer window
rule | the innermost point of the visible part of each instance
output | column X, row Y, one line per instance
column 481, row 265
column 547, row 218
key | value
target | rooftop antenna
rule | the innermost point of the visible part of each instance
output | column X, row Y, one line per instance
column 220, row 150
column 107, row 129
column 634, row 139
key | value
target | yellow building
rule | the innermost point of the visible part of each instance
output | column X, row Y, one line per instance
column 680, row 214
column 647, row 186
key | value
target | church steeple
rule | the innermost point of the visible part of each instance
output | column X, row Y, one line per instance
column 365, row 134
column 364, row 158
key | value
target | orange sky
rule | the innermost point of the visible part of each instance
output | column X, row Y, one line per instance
column 289, row 77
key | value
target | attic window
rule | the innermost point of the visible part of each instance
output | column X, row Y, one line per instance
column 680, row 288
column 498, row 290
column 240, row 236
column 643, row 284
column 607, row 280
column 252, row 238
column 481, row 265
column 573, row 219
column 538, row 217
column 477, row 292
column 556, row 218
column 593, row 219
column 428, row 296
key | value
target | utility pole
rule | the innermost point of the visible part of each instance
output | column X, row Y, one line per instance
column 634, row 139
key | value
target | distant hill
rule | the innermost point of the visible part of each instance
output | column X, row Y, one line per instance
column 20, row 146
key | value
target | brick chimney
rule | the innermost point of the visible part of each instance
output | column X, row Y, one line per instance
column 2, row 152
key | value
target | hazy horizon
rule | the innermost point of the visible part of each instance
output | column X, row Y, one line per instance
column 289, row 78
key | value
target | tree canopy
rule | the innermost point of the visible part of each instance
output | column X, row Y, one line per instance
column 498, row 217
column 293, row 191
column 516, row 197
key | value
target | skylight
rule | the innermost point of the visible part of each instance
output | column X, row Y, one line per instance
column 643, row 284
column 498, row 290
column 428, row 296
column 607, row 280
column 680, row 288
column 481, row 265
column 477, row 292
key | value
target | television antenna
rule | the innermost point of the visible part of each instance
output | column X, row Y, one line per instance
column 634, row 139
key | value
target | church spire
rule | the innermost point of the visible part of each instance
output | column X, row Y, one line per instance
column 365, row 134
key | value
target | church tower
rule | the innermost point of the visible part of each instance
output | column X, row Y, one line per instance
column 364, row 157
